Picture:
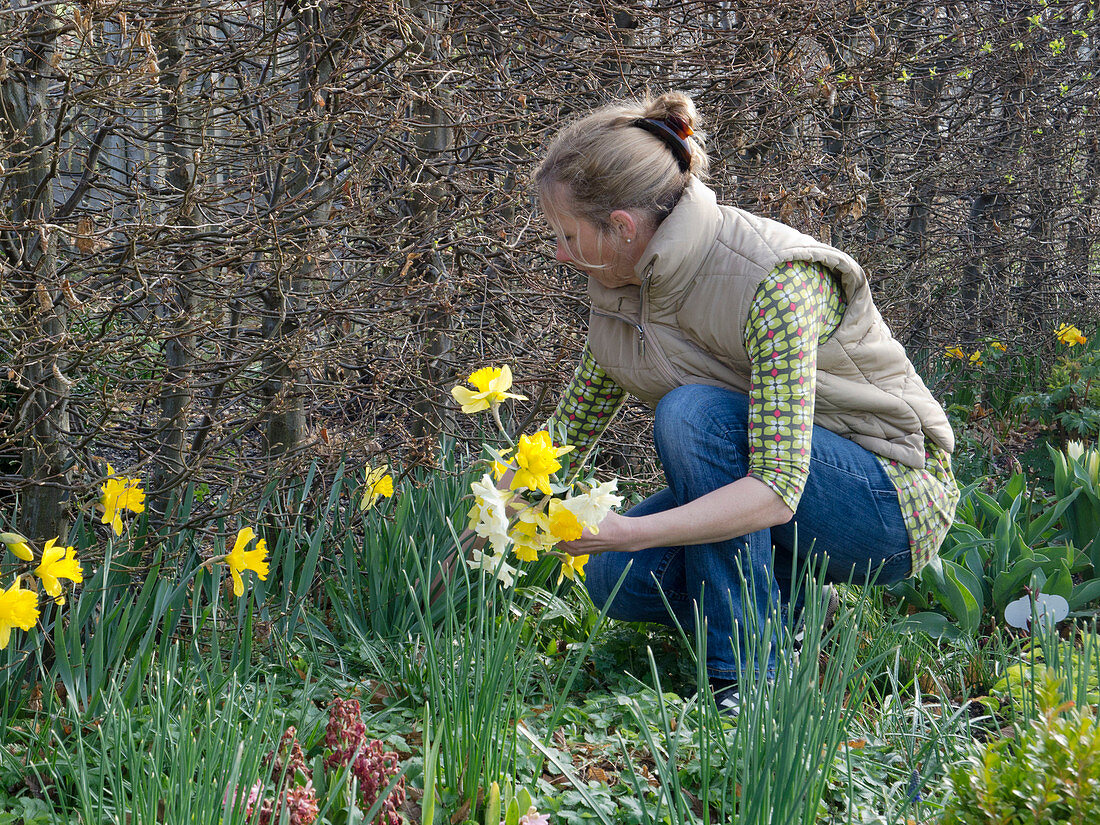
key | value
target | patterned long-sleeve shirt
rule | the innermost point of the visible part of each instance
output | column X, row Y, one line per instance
column 795, row 309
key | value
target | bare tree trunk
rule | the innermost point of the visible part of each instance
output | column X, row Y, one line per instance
column 308, row 178
column 31, row 249
column 433, row 138
column 180, row 144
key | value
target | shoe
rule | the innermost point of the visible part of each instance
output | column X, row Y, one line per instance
column 832, row 603
column 726, row 697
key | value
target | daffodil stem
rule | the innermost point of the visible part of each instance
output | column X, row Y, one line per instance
column 495, row 410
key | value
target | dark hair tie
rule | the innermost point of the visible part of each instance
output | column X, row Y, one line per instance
column 673, row 132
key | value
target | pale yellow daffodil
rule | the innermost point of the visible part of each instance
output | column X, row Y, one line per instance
column 379, row 484
column 18, row 545
column 592, row 506
column 491, row 385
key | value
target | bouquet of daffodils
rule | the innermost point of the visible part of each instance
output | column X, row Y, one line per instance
column 539, row 508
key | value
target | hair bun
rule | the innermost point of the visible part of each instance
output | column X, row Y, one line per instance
column 676, row 109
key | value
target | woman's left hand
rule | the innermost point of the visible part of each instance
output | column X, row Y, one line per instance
column 615, row 533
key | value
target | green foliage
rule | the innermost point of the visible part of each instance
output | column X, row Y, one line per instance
column 1077, row 481
column 186, row 750
column 999, row 544
column 1071, row 399
column 1049, row 773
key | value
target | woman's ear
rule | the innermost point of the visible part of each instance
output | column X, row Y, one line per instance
column 625, row 225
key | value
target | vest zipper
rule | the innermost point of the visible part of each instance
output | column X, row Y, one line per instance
column 663, row 364
column 626, row 319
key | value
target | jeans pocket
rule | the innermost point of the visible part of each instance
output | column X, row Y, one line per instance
column 895, row 568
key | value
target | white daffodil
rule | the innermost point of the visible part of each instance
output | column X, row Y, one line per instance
column 489, row 515
column 591, row 507
column 494, row 564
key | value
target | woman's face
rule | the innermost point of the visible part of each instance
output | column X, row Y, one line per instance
column 605, row 256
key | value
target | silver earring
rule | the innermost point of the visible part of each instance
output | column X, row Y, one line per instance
column 629, row 240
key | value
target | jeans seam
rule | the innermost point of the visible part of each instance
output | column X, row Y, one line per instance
column 659, row 575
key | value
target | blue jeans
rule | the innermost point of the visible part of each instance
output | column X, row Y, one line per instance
column 848, row 522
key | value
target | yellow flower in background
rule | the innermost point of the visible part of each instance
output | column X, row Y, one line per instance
column 240, row 559
column 571, row 567
column 17, row 545
column 563, row 522
column 18, row 608
column 1070, row 335
column 956, row 352
column 997, row 345
column 379, row 483
column 976, row 358
column 120, row 494
column 491, row 385
column 58, row 563
column 537, row 458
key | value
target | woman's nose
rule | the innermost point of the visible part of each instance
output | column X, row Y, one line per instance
column 561, row 253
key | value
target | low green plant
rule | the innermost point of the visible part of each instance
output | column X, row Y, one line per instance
column 999, row 543
column 1077, row 482
column 1049, row 772
column 1071, row 399
column 1074, row 661
column 367, row 582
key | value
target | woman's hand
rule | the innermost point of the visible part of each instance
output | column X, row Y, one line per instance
column 616, row 532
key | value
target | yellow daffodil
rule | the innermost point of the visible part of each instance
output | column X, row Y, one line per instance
column 976, row 358
column 499, row 469
column 17, row 545
column 18, row 608
column 491, row 385
column 379, row 483
column 120, row 494
column 240, row 559
column 537, row 458
column 571, row 567
column 563, row 522
column 531, row 533
column 956, row 352
column 997, row 345
column 58, row 563
column 526, row 540
column 1070, row 335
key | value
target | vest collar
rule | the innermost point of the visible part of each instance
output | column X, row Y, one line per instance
column 681, row 242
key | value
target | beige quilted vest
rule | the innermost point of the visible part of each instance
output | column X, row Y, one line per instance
column 686, row 325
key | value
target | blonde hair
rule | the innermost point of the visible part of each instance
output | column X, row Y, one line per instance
column 604, row 162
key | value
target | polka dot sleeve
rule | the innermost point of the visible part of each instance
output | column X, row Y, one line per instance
column 588, row 405
column 795, row 308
